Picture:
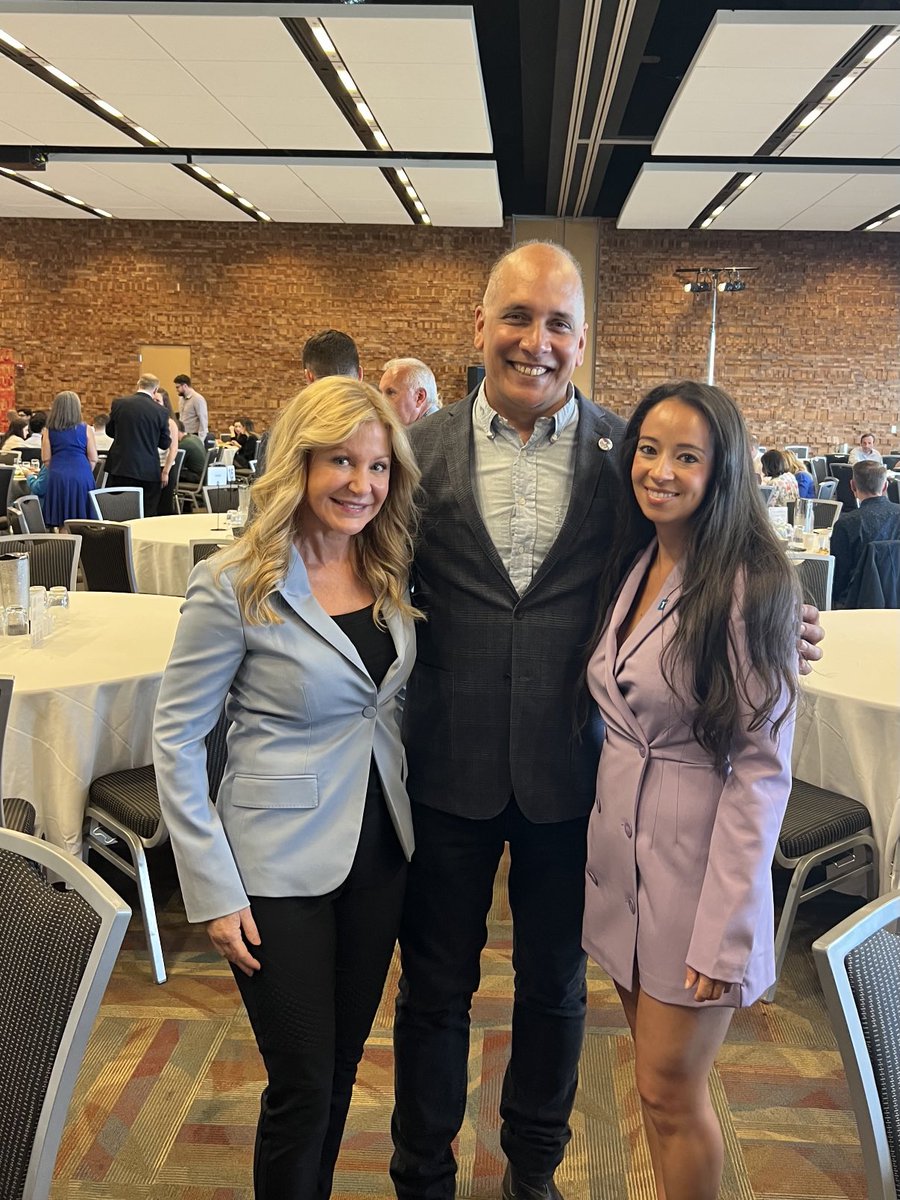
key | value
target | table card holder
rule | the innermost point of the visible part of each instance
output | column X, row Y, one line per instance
column 216, row 480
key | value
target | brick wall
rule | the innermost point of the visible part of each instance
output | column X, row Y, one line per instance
column 811, row 348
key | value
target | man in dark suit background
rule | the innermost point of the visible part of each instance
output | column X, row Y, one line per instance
column 876, row 520
column 139, row 428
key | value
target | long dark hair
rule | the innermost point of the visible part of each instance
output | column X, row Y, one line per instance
column 730, row 544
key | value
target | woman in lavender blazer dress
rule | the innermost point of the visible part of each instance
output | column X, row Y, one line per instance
column 694, row 673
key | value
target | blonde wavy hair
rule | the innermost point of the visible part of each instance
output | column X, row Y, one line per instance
column 793, row 462
column 325, row 414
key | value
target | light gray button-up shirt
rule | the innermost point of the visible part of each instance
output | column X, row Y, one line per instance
column 522, row 488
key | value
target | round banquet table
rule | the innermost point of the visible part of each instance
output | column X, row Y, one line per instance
column 82, row 704
column 162, row 549
column 848, row 722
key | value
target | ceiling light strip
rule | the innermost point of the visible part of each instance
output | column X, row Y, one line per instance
column 861, row 56
column 46, row 190
column 590, row 23
column 315, row 43
column 889, row 214
column 624, row 18
column 24, row 57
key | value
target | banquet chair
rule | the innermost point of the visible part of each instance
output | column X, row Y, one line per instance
column 816, row 572
column 890, row 461
column 766, row 490
column 14, row 519
column 843, row 473
column 825, row 513
column 124, row 805
column 202, row 548
column 7, row 471
column 118, row 504
column 221, row 499
column 10, row 457
column 893, row 491
column 859, row 968
column 99, row 469
column 15, row 813
column 821, row 829
column 827, row 489
column 58, row 949
column 192, row 493
column 106, row 557
column 31, row 454
column 876, row 581
column 800, row 451
column 52, row 557
column 819, row 465
column 31, row 514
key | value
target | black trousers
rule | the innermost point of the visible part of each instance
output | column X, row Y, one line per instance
column 442, row 933
column 324, row 962
column 150, row 488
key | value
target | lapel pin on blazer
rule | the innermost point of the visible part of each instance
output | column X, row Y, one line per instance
column 605, row 444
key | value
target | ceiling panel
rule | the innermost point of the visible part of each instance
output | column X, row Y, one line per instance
column 279, row 192
column 359, row 195
column 58, row 36
column 667, row 196
column 40, row 114
column 460, row 195
column 125, row 188
column 775, row 59
column 853, row 203
column 367, row 37
column 777, row 198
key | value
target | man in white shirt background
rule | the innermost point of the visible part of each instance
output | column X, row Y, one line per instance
column 193, row 412
column 865, row 451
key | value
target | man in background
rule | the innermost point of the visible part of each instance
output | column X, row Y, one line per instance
column 193, row 411
column 410, row 387
column 36, row 423
column 139, row 428
column 876, row 520
column 865, row 451
column 330, row 352
column 194, row 463
column 101, row 438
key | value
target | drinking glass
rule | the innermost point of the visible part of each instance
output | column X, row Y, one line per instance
column 58, row 606
column 16, row 621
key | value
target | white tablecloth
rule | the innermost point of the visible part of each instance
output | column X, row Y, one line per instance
column 848, row 722
column 162, row 550
column 83, row 703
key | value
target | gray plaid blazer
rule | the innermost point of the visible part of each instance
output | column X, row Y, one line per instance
column 490, row 706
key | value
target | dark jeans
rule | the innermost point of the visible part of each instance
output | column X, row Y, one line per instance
column 449, row 893
column 324, row 962
column 149, row 487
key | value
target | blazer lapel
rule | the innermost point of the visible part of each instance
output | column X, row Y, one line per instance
column 660, row 610
column 621, row 608
column 590, row 459
column 296, row 592
column 458, row 452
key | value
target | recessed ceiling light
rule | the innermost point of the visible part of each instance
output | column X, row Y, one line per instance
column 145, row 133
column 73, row 199
column 874, row 225
column 893, row 216
column 717, row 212
column 347, row 80
column 223, row 187
column 381, row 139
column 426, row 220
column 364, row 111
column 810, row 117
column 706, row 224
column 402, row 175
column 45, row 187
column 745, row 183
column 840, row 87
column 101, row 212
column 420, row 206
column 200, row 171
column 879, row 48
column 109, row 108
column 263, row 216
column 10, row 40
column 62, row 76
column 323, row 39
column 411, row 192
column 246, row 203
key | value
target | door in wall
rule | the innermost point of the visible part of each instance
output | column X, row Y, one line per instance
column 165, row 362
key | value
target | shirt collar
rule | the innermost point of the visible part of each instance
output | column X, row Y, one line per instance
column 487, row 420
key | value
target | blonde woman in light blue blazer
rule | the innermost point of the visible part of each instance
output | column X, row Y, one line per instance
column 303, row 629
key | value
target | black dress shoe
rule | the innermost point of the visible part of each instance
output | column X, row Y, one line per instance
column 515, row 1189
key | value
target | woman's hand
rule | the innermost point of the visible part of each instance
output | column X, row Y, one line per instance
column 811, row 633
column 706, row 988
column 230, row 935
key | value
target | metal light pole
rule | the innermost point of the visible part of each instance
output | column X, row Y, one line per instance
column 714, row 280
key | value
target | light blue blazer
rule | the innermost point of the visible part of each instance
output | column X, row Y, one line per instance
column 307, row 719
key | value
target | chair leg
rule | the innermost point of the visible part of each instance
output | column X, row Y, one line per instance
column 786, row 923
column 148, row 908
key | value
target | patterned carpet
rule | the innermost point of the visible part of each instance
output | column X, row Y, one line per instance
column 166, row 1102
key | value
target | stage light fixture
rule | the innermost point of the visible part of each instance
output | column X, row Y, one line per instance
column 714, row 280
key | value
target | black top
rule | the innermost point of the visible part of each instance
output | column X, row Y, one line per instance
column 876, row 520
column 379, row 854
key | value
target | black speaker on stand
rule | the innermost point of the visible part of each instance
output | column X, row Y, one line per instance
column 474, row 376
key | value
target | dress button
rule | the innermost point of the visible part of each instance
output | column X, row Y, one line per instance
column 631, row 904
column 369, row 711
column 628, row 829
column 591, row 876
column 642, row 752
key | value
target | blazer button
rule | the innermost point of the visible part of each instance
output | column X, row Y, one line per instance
column 642, row 752
column 627, row 827
column 631, row 904
column 369, row 711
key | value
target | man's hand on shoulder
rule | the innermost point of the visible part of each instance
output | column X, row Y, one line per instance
column 811, row 634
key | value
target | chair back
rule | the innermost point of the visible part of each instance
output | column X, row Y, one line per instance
column 203, row 548
column 876, row 581
column 106, row 557
column 843, row 473
column 58, row 949
column 890, row 461
column 893, row 491
column 825, row 513
column 52, row 558
column 819, row 465
column 10, row 457
column 6, row 691
column 800, row 451
column 766, row 491
column 193, row 490
column 167, row 498
column 816, row 572
column 31, row 454
column 99, row 470
column 118, row 504
column 7, row 470
column 221, row 499
column 827, row 489
column 14, row 520
column 859, row 968
column 32, row 514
